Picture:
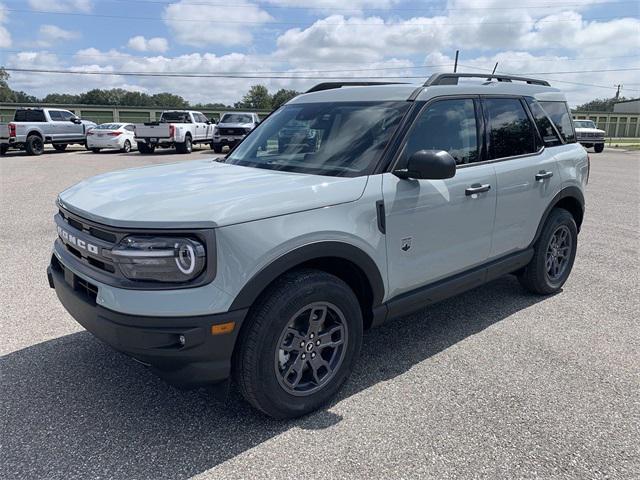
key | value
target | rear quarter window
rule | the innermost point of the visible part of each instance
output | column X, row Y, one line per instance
column 561, row 117
column 546, row 128
column 29, row 116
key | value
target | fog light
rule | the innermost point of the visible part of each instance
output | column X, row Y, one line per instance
column 182, row 340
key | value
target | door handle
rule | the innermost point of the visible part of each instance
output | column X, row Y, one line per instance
column 477, row 188
column 543, row 175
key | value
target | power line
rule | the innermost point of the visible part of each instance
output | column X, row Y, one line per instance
column 371, row 9
column 299, row 24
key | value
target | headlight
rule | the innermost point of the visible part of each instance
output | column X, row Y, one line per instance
column 160, row 259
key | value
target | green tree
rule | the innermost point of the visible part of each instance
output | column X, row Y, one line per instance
column 282, row 96
column 257, row 97
column 61, row 98
column 6, row 94
column 599, row 105
column 169, row 100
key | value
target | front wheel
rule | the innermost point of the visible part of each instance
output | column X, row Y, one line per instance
column 299, row 344
column 598, row 147
column 60, row 147
column 216, row 148
column 554, row 254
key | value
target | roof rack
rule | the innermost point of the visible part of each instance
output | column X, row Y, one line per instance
column 331, row 85
column 452, row 79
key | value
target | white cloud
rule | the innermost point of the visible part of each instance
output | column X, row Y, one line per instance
column 5, row 36
column 52, row 32
column 141, row 44
column 61, row 5
column 333, row 5
column 182, row 19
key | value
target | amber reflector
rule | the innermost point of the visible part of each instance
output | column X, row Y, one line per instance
column 222, row 328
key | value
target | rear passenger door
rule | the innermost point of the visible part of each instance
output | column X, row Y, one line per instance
column 437, row 228
column 200, row 132
column 520, row 141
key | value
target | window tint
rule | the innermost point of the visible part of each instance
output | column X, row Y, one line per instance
column 55, row 115
column 559, row 113
column 29, row 116
column 448, row 125
column 545, row 126
column 510, row 130
column 67, row 115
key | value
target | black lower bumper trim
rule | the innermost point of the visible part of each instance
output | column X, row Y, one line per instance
column 154, row 341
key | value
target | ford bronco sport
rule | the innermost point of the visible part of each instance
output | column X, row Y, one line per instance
column 266, row 266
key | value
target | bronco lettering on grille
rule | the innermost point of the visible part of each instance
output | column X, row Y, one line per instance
column 73, row 240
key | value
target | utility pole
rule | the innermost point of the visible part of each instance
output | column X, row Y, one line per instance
column 618, row 91
column 455, row 65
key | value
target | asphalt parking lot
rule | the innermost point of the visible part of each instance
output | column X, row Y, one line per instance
column 496, row 383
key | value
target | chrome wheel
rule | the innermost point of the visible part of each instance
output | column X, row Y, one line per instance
column 558, row 253
column 311, row 348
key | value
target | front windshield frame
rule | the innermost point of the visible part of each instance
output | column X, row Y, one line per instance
column 369, row 127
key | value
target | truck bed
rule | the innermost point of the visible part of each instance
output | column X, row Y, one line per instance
column 153, row 130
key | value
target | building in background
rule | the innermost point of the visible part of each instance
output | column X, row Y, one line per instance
column 627, row 106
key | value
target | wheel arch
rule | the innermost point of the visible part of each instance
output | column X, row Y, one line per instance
column 35, row 132
column 347, row 262
column 571, row 199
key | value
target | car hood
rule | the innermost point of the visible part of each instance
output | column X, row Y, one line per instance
column 202, row 193
column 589, row 130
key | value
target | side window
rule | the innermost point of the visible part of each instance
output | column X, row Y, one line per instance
column 448, row 125
column 56, row 115
column 66, row 116
column 510, row 130
column 130, row 128
column 545, row 126
column 559, row 113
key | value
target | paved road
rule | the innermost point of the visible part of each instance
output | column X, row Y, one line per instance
column 496, row 383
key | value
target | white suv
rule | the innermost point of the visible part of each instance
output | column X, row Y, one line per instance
column 266, row 266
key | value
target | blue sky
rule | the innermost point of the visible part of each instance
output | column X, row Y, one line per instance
column 599, row 40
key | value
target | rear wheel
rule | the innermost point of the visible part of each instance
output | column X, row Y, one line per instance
column 186, row 146
column 3, row 149
column 144, row 148
column 299, row 344
column 60, row 147
column 126, row 147
column 34, row 145
column 598, row 147
column 554, row 254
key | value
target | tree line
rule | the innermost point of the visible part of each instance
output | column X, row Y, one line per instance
column 258, row 97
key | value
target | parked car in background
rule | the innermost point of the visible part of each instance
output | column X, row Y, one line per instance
column 4, row 138
column 32, row 128
column 232, row 128
column 176, row 128
column 111, row 136
column 589, row 135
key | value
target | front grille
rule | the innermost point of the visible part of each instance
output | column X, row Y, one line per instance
column 232, row 131
column 80, row 285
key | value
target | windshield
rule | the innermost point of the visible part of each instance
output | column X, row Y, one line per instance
column 584, row 124
column 336, row 139
column 175, row 117
column 109, row 126
column 236, row 118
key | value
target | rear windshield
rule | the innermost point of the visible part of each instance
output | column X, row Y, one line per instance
column 559, row 114
column 109, row 126
column 29, row 116
column 236, row 118
column 175, row 117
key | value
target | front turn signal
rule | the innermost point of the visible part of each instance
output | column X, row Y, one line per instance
column 222, row 328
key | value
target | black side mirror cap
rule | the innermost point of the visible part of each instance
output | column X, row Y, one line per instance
column 428, row 165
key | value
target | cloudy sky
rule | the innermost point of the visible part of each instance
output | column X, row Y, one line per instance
column 585, row 47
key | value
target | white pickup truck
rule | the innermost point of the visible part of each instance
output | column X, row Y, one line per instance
column 176, row 128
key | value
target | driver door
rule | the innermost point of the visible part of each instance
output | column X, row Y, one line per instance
column 438, row 228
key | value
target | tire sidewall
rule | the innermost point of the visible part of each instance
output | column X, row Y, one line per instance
column 556, row 219
column 30, row 145
column 127, row 146
column 273, row 395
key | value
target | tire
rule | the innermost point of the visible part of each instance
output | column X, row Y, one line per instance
column 144, row 148
column 95, row 150
column 543, row 275
column 34, row 145
column 598, row 148
column 186, row 146
column 127, row 147
column 216, row 148
column 260, row 365
column 4, row 149
column 60, row 147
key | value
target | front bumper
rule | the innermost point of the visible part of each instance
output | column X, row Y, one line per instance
column 228, row 139
column 155, row 341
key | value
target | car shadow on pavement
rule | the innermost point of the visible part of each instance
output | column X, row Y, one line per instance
column 74, row 408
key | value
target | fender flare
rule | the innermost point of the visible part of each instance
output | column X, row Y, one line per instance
column 567, row 192
column 312, row 251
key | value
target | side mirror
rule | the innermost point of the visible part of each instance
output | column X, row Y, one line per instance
column 428, row 165
column 77, row 121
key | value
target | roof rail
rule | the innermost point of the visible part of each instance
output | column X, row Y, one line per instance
column 331, row 85
column 452, row 79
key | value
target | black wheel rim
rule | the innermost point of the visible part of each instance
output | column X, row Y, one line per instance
column 37, row 144
column 311, row 348
column 558, row 253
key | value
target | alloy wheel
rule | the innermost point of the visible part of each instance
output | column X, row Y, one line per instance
column 558, row 253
